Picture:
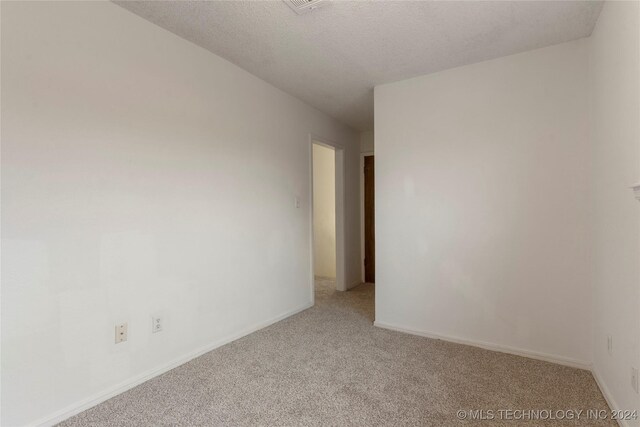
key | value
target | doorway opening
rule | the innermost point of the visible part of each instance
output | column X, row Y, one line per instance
column 368, row 219
column 324, row 213
column 327, row 180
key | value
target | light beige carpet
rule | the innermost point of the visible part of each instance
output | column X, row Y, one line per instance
column 329, row 366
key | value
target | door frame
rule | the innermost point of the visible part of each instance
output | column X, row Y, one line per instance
column 341, row 282
column 362, row 254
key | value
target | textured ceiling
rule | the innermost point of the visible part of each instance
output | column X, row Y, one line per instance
column 332, row 57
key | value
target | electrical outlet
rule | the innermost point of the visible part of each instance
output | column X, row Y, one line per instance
column 121, row 333
column 156, row 324
column 610, row 344
column 634, row 379
column 296, row 202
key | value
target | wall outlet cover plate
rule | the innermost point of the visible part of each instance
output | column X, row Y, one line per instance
column 121, row 333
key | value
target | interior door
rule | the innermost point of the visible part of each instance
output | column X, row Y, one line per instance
column 369, row 222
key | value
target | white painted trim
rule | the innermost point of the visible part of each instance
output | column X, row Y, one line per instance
column 560, row 360
column 341, row 278
column 341, row 220
column 354, row 284
column 362, row 156
column 312, row 278
column 110, row 392
column 608, row 396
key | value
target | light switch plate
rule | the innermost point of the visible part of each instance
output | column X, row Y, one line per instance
column 156, row 324
column 636, row 191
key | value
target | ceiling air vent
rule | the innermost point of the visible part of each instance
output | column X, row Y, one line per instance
column 304, row 6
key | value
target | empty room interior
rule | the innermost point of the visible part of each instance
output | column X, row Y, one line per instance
column 320, row 212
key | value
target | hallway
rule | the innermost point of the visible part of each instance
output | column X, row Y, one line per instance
column 329, row 366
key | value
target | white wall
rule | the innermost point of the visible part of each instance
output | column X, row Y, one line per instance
column 615, row 73
column 142, row 174
column 366, row 142
column 324, row 211
column 483, row 194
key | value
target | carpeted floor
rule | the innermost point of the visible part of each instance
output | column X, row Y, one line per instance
column 329, row 366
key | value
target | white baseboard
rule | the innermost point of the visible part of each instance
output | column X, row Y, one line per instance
column 608, row 396
column 110, row 392
column 354, row 284
column 561, row 360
